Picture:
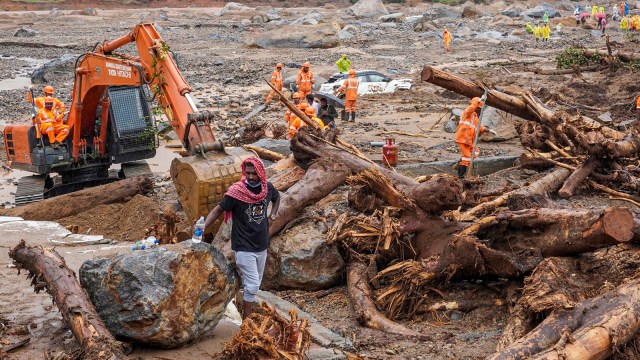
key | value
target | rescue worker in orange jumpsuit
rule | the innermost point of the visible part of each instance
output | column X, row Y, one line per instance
column 296, row 101
column 446, row 35
column 276, row 81
column 305, row 80
column 57, row 104
column 50, row 121
column 311, row 114
column 638, row 111
column 466, row 134
column 350, row 88
column 294, row 122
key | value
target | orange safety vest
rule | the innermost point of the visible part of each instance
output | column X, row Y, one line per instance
column 305, row 80
column 466, row 132
column 351, row 86
column 48, row 116
column 638, row 103
column 57, row 104
column 276, row 79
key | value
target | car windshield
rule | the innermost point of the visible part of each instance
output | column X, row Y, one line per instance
column 376, row 78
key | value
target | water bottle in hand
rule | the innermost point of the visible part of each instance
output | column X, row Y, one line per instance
column 198, row 230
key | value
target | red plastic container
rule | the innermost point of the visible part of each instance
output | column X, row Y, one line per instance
column 390, row 153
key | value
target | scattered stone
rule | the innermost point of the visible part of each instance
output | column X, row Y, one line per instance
column 273, row 15
column 162, row 15
column 471, row 11
column 500, row 121
column 235, row 8
column 389, row 25
column 538, row 12
column 451, row 125
column 89, row 12
column 54, row 12
column 511, row 12
column 318, row 36
column 165, row 297
column 24, row 33
column 60, row 67
column 312, row 18
column 395, row 17
column 367, row 9
column 344, row 35
column 412, row 19
column 441, row 12
column 605, row 118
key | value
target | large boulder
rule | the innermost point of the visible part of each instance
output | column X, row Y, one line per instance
column 441, row 12
column 502, row 122
column 165, row 297
column 56, row 68
column 538, row 12
column 311, row 18
column 24, row 33
column 234, row 8
column 90, row 11
column 302, row 259
column 471, row 11
column 368, row 9
column 308, row 37
column 511, row 12
column 395, row 17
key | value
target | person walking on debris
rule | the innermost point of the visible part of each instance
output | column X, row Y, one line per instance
column 626, row 9
column 446, row 35
column 603, row 24
column 343, row 64
column 529, row 28
column 594, row 11
column 616, row 13
column 350, row 88
column 246, row 201
column 327, row 113
column 51, row 124
column 466, row 134
column 546, row 32
column 276, row 81
column 305, row 80
column 545, row 18
column 537, row 32
column 624, row 24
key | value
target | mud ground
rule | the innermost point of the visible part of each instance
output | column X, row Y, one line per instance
column 227, row 78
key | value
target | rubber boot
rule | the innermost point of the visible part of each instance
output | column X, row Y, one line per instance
column 353, row 116
column 247, row 309
column 240, row 302
column 462, row 171
column 343, row 116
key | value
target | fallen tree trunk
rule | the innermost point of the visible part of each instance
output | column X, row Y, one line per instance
column 593, row 330
column 575, row 70
column 626, row 57
column 365, row 309
column 548, row 183
column 322, row 177
column 285, row 179
column 576, row 178
column 49, row 271
column 264, row 153
column 76, row 202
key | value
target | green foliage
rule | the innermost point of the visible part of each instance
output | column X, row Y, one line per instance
column 632, row 65
column 571, row 57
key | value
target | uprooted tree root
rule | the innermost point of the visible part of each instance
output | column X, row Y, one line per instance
column 267, row 335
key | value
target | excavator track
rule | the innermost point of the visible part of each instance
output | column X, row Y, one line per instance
column 30, row 189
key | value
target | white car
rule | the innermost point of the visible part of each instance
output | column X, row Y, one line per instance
column 371, row 82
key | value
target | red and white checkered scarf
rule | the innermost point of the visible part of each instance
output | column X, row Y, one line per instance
column 239, row 190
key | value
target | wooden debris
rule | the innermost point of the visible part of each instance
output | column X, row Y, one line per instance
column 48, row 271
column 264, row 153
column 267, row 335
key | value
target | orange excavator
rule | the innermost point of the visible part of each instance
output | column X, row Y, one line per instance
column 112, row 122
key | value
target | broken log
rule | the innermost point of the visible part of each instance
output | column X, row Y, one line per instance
column 48, row 270
column 264, row 154
column 548, row 183
column 322, row 177
column 365, row 309
column 576, row 178
column 576, row 70
column 285, row 179
column 593, row 329
column 625, row 57
column 76, row 202
column 461, row 305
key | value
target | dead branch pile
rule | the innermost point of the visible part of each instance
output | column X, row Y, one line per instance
column 267, row 335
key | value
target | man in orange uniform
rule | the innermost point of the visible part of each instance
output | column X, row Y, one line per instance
column 296, row 101
column 350, row 87
column 305, row 80
column 294, row 121
column 276, row 81
column 446, row 35
column 51, row 124
column 466, row 134
column 638, row 111
column 57, row 104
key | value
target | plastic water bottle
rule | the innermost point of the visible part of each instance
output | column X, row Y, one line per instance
column 147, row 243
column 198, row 230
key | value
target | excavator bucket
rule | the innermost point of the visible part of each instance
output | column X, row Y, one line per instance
column 201, row 182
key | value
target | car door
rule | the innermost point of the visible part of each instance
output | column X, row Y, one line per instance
column 374, row 84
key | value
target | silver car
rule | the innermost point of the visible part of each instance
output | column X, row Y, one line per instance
column 371, row 82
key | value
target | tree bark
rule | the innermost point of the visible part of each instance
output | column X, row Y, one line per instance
column 626, row 57
column 576, row 70
column 49, row 271
column 76, row 202
column 264, row 153
column 324, row 176
column 365, row 309
column 285, row 179
column 575, row 179
column 590, row 331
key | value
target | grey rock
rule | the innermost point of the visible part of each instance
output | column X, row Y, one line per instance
column 90, row 11
column 367, row 9
column 258, row 19
column 60, row 67
column 538, row 12
column 395, row 17
column 412, row 19
column 511, row 12
column 235, row 8
column 218, row 62
column 351, row 29
column 54, row 12
column 388, row 25
column 273, row 16
column 24, row 33
column 344, row 35
column 451, row 125
column 312, row 18
column 436, row 13
column 605, row 118
column 471, row 11
column 501, row 122
column 166, row 297
column 318, row 36
column 496, row 35
column 162, row 15
column 279, row 146
column 245, row 22
column 302, row 259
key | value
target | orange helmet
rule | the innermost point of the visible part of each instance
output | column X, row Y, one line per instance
column 306, row 64
column 310, row 110
column 279, row 66
column 296, row 95
column 48, row 101
column 303, row 106
column 352, row 72
column 48, row 89
column 476, row 101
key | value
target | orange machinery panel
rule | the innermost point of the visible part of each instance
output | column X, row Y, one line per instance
column 16, row 143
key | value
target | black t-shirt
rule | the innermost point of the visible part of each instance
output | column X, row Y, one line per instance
column 250, row 227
